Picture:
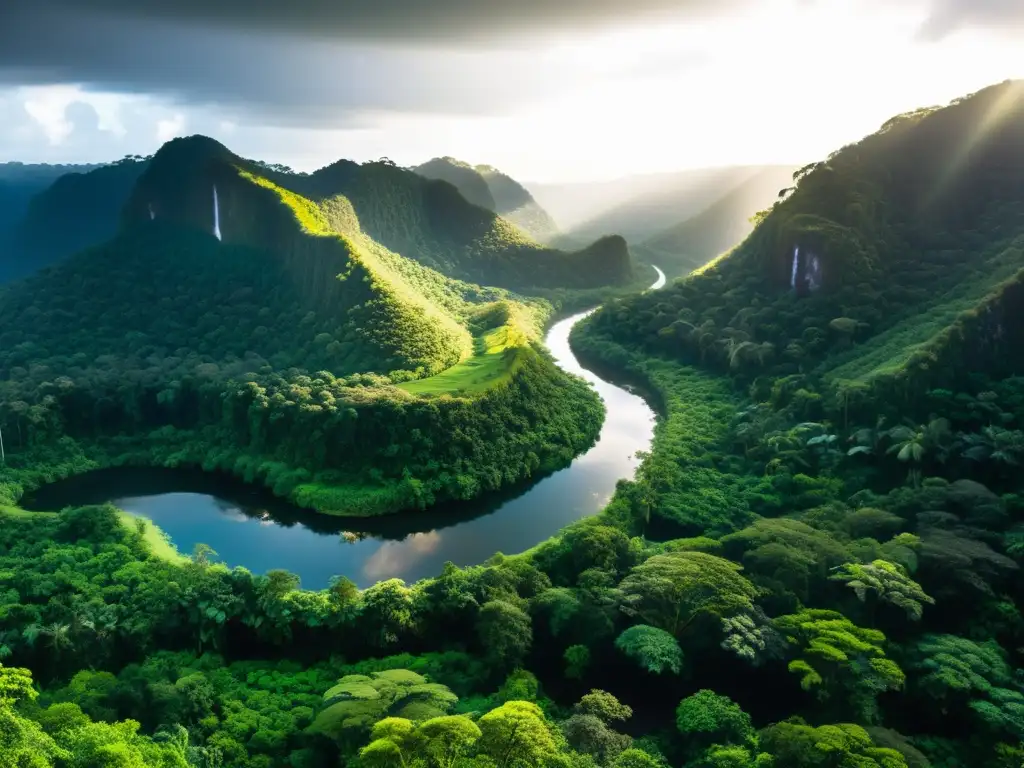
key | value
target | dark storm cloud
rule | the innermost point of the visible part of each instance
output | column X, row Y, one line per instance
column 285, row 78
column 319, row 62
column 393, row 20
column 323, row 65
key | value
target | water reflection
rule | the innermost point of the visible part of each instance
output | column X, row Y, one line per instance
column 249, row 527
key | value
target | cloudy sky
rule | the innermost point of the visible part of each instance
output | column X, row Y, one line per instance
column 545, row 89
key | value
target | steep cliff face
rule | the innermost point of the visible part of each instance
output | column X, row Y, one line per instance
column 178, row 185
column 927, row 177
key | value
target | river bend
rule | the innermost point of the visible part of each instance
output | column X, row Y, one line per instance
column 248, row 527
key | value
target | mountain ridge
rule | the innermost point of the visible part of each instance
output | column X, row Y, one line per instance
column 488, row 187
column 78, row 208
column 232, row 316
column 881, row 256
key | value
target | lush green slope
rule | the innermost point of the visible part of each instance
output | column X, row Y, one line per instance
column 431, row 222
column 76, row 211
column 692, row 243
column 235, row 324
column 897, row 234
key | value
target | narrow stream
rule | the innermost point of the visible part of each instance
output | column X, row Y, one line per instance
column 247, row 526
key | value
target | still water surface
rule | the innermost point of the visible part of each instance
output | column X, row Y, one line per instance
column 249, row 527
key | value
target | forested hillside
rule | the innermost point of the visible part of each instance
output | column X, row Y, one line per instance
column 844, row 421
column 915, row 221
column 231, row 320
column 80, row 208
column 489, row 188
column 515, row 203
column 431, row 222
column 694, row 242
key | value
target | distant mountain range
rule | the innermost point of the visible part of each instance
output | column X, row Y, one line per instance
column 19, row 182
column 67, row 209
column 642, row 206
column 722, row 225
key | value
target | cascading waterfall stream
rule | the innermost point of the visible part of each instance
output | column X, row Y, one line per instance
column 216, row 214
column 152, row 213
column 796, row 266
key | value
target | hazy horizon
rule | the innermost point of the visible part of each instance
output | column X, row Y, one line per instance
column 578, row 92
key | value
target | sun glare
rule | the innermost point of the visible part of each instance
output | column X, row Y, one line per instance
column 776, row 85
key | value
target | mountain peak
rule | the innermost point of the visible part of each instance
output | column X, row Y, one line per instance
column 192, row 149
column 486, row 186
column 463, row 177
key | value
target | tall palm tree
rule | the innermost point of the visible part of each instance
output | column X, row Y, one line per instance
column 913, row 442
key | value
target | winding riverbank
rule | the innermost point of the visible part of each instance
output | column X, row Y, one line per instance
column 248, row 527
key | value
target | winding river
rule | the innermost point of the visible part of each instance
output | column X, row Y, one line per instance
column 247, row 526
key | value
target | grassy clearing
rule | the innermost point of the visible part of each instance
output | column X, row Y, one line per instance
column 158, row 542
column 498, row 353
column 888, row 352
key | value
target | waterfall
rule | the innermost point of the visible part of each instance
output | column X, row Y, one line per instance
column 814, row 274
column 216, row 214
column 152, row 215
column 796, row 266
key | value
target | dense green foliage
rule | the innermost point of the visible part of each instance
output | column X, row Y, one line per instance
column 431, row 222
column 870, row 483
column 804, row 573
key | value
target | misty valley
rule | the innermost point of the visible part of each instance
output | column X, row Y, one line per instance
column 423, row 466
